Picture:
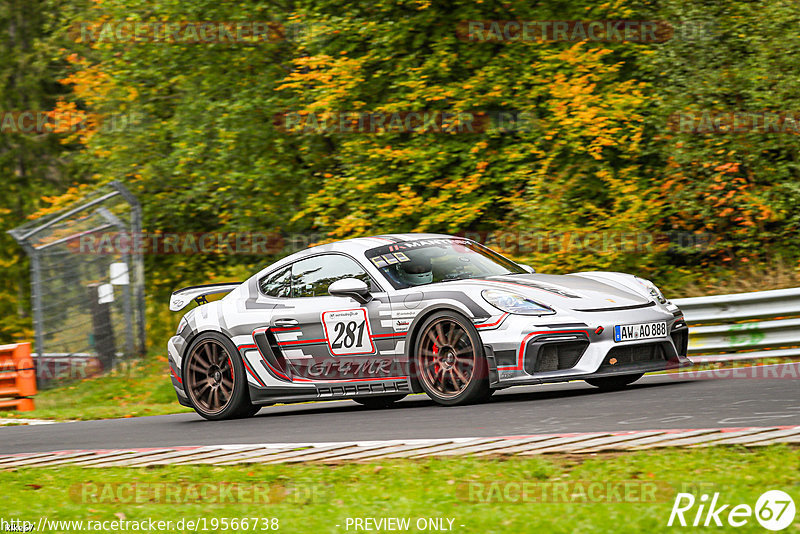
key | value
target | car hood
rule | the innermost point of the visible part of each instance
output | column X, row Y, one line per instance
column 570, row 291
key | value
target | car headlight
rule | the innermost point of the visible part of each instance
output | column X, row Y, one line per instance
column 652, row 290
column 515, row 303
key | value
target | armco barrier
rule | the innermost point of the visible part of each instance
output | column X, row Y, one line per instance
column 17, row 377
column 764, row 324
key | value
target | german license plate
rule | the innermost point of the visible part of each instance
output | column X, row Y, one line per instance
column 631, row 332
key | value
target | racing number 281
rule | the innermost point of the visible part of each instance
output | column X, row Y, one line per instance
column 346, row 336
column 348, row 332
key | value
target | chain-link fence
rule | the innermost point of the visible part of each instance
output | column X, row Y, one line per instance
column 88, row 300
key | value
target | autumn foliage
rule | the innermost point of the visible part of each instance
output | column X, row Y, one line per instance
column 577, row 143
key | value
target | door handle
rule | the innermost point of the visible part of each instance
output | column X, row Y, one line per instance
column 286, row 322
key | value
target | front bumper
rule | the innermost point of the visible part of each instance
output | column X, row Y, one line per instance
column 523, row 349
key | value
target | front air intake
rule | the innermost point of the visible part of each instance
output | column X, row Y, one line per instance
column 554, row 353
column 680, row 337
column 626, row 355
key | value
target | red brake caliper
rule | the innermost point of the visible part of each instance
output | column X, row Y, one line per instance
column 436, row 365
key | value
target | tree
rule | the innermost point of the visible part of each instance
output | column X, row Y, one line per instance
column 33, row 162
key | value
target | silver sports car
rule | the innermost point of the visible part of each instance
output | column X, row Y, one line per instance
column 374, row 319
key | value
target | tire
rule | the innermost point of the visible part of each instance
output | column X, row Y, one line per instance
column 611, row 383
column 449, row 361
column 254, row 409
column 214, row 395
column 383, row 401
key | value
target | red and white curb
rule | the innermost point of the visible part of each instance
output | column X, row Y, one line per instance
column 364, row 451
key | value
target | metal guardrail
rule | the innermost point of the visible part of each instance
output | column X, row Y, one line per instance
column 764, row 324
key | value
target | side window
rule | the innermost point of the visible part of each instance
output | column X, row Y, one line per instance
column 278, row 284
column 311, row 277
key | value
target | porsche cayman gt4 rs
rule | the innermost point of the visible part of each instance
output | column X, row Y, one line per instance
column 374, row 319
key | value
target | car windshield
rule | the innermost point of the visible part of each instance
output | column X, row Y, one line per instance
column 426, row 261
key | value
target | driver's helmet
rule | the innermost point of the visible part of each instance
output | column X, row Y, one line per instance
column 416, row 272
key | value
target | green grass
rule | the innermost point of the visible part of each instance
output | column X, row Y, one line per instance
column 316, row 498
column 137, row 388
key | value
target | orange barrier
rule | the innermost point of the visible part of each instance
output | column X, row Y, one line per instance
column 17, row 377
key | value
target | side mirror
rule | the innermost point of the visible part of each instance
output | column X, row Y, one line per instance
column 351, row 287
column 527, row 268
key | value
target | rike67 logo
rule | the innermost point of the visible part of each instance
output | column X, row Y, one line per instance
column 774, row 510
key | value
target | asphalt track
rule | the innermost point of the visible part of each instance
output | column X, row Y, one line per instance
column 700, row 400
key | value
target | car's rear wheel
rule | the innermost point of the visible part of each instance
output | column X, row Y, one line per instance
column 449, row 360
column 214, row 379
column 384, row 401
column 610, row 383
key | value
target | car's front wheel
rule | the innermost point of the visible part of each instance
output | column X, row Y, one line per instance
column 449, row 360
column 610, row 383
column 214, row 379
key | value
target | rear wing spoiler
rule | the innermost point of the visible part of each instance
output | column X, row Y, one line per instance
column 183, row 297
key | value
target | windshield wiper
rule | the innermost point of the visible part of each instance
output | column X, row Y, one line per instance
column 460, row 277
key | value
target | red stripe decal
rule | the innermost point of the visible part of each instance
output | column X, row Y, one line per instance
column 309, row 341
column 301, row 341
column 394, row 334
column 244, row 360
column 521, row 351
column 175, row 375
column 500, row 320
column 275, row 371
